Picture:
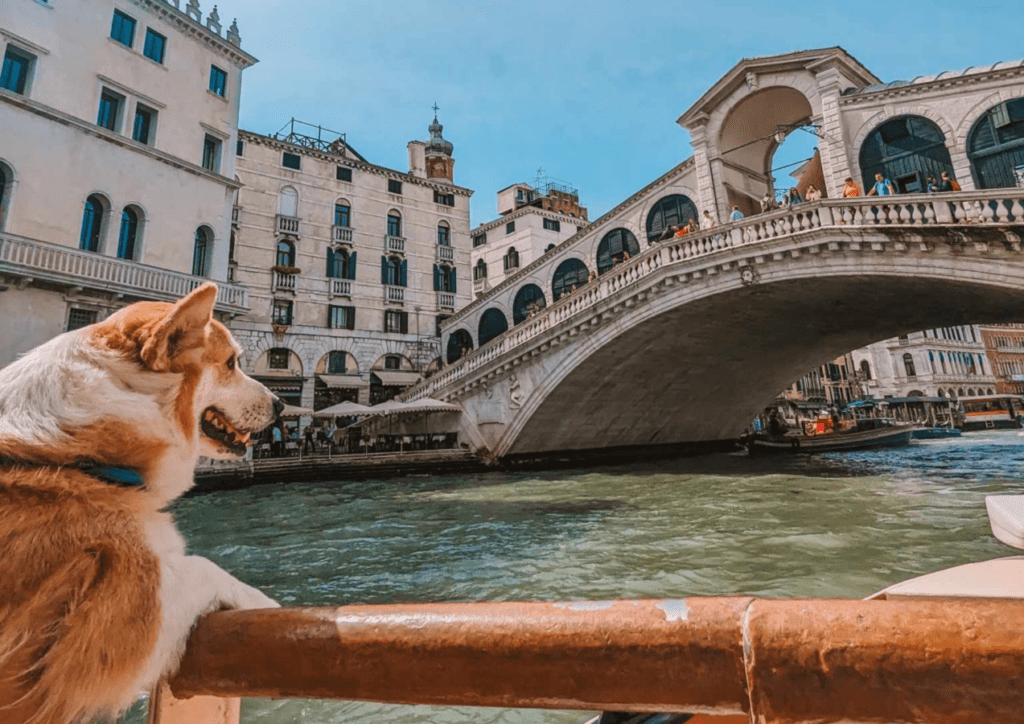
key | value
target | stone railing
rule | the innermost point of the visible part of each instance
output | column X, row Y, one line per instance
column 341, row 287
column 445, row 253
column 393, row 293
column 394, row 244
column 285, row 282
column 288, row 225
column 996, row 206
column 33, row 259
column 445, row 300
column 342, row 235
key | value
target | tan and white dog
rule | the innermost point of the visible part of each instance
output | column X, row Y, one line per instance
column 97, row 594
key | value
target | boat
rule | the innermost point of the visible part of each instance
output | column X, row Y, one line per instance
column 992, row 412
column 882, row 435
column 935, row 433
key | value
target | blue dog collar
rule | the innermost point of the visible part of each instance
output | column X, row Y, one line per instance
column 122, row 477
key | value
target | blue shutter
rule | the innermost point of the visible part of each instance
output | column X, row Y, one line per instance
column 352, row 266
column 330, row 262
column 383, row 270
column 451, row 274
column 402, row 280
column 437, row 278
column 351, row 318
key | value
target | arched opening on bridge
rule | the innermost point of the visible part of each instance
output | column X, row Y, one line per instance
column 460, row 343
column 674, row 210
column 750, row 137
column 571, row 274
column 995, row 146
column 617, row 246
column 906, row 150
column 492, row 324
column 529, row 300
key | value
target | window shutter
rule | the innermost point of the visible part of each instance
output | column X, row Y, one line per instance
column 351, row 318
column 451, row 274
column 437, row 278
column 405, row 315
column 330, row 262
column 383, row 270
column 352, row 266
column 405, row 266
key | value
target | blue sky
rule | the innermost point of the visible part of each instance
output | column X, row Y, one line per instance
column 588, row 91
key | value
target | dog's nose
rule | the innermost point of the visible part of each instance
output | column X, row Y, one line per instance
column 278, row 407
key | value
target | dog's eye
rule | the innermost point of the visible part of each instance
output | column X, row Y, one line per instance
column 231, row 362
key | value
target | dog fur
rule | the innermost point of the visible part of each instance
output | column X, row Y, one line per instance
column 97, row 594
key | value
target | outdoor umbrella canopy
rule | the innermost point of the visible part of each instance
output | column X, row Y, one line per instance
column 293, row 411
column 344, row 409
column 429, row 404
column 389, row 407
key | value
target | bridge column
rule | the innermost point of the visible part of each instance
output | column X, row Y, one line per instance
column 710, row 188
column 835, row 161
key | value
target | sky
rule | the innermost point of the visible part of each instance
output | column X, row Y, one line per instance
column 588, row 91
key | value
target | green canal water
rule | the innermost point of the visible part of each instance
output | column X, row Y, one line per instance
column 831, row 525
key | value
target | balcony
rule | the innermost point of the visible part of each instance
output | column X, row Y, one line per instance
column 394, row 294
column 340, row 287
column 31, row 260
column 394, row 244
column 445, row 254
column 480, row 286
column 285, row 282
column 445, row 300
column 342, row 235
column 288, row 225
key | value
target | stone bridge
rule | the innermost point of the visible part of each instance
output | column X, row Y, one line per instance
column 686, row 341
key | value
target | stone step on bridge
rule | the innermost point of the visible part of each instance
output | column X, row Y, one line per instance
column 687, row 341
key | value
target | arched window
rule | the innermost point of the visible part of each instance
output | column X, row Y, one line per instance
column 200, row 252
column 288, row 202
column 444, row 278
column 865, row 368
column 444, row 234
column 128, row 234
column 285, row 253
column 511, row 259
column 92, row 224
column 459, row 345
column 6, row 183
column 549, row 248
column 960, row 392
column 942, row 392
column 529, row 300
column 906, row 150
column 570, row 273
column 614, row 247
column 392, row 271
column 342, row 213
column 492, row 324
column 341, row 264
column 675, row 210
column 908, row 365
column 394, row 223
column 995, row 146
column 480, row 270
column 337, row 363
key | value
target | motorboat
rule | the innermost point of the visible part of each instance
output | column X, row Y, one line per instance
column 862, row 438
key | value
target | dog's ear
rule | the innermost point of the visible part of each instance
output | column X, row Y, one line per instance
column 182, row 329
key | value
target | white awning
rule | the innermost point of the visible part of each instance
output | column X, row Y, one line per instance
column 397, row 378
column 342, row 381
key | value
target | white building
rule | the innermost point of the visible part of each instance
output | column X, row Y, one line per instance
column 116, row 183
column 351, row 266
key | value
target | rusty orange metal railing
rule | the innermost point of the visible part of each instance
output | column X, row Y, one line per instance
column 944, row 660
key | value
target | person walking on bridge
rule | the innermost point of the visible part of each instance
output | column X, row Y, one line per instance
column 736, row 214
column 850, row 188
column 707, row 221
column 882, row 187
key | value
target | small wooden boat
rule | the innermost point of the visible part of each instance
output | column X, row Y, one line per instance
column 883, row 436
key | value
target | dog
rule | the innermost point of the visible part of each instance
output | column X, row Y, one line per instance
column 100, row 429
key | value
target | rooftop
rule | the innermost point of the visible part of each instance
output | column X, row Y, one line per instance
column 944, row 75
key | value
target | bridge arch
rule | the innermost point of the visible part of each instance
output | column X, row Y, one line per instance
column 995, row 145
column 529, row 298
column 571, row 272
column 493, row 323
column 460, row 342
column 613, row 247
column 672, row 209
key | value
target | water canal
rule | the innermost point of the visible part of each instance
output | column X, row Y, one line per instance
column 833, row 525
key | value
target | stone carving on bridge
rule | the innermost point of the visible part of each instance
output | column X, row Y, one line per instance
column 515, row 392
column 752, row 81
column 749, row 275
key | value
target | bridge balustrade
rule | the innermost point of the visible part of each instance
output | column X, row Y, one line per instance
column 990, row 207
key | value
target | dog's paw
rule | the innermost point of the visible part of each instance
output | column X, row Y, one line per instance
column 244, row 596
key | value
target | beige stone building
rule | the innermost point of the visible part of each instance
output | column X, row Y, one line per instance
column 351, row 266
column 116, row 171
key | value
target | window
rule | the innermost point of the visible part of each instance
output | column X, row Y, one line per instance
column 277, row 358
column 394, row 225
column 444, row 199
column 396, row 322
column 552, row 224
column 444, row 278
column 78, row 318
column 92, row 223
column 128, row 234
column 908, row 365
column 341, row 264
column 511, row 259
column 510, row 227
column 479, row 240
column 393, row 271
column 341, row 317
column 109, row 115
column 122, row 28
column 394, row 186
column 480, row 270
column 392, row 362
column 218, row 81
column 342, row 215
column 16, row 70
column 344, row 173
column 144, row 125
column 211, row 153
column 549, row 248
column 444, row 235
column 281, row 312
column 239, row 147
column 155, row 46
column 337, row 363
column 285, row 254
column 199, row 252
column 291, row 160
